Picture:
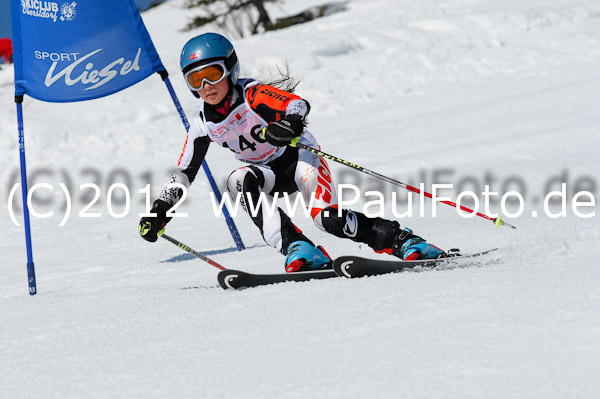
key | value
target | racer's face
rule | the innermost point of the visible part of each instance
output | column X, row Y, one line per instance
column 214, row 94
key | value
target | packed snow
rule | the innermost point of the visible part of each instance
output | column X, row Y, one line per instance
column 477, row 92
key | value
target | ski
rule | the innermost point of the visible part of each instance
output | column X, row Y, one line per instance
column 354, row 266
column 236, row 279
column 344, row 266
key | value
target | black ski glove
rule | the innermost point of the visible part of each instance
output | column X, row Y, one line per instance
column 151, row 227
column 280, row 133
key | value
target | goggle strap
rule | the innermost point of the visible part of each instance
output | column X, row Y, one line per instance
column 231, row 61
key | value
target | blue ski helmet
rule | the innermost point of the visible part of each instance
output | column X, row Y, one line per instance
column 207, row 48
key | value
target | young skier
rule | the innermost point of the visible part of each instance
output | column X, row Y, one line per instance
column 257, row 122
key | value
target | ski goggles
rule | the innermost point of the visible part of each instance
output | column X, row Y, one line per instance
column 212, row 73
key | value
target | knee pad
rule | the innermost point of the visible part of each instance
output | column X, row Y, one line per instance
column 349, row 224
column 245, row 179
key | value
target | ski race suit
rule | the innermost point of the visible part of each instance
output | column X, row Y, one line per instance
column 269, row 169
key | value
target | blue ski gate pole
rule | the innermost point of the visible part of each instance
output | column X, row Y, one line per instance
column 30, row 265
column 232, row 228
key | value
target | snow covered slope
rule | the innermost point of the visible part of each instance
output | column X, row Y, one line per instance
column 464, row 92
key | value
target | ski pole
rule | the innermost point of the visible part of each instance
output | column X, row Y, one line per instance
column 296, row 143
column 191, row 251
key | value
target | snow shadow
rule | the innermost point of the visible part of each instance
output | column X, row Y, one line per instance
column 186, row 256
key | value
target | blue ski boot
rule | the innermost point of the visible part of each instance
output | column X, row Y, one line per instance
column 388, row 237
column 304, row 256
column 416, row 248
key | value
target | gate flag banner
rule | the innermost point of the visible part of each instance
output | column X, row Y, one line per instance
column 79, row 50
column 65, row 51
